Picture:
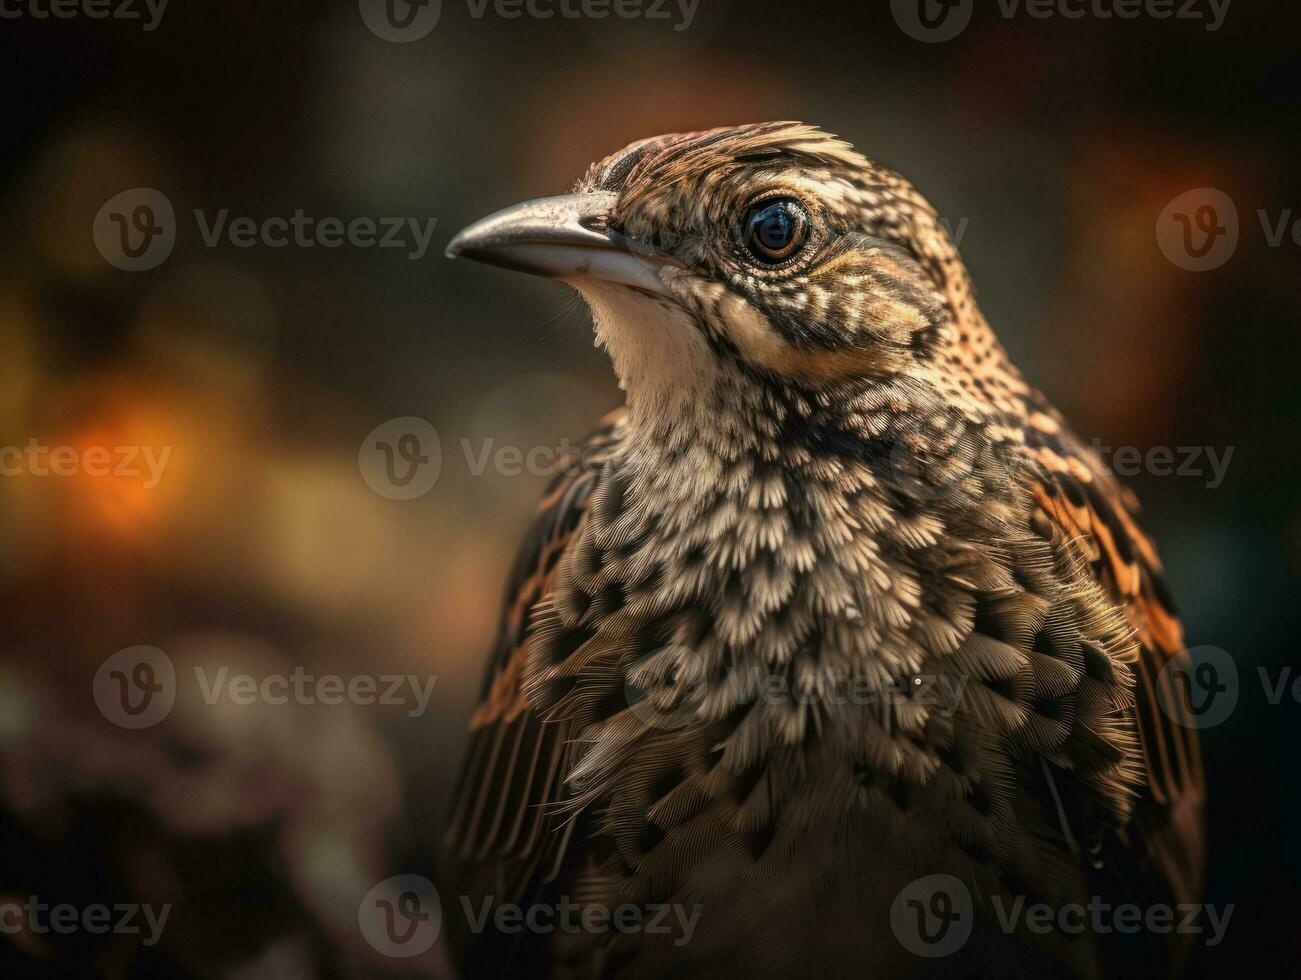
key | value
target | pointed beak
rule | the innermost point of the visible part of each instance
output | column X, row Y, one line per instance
column 563, row 238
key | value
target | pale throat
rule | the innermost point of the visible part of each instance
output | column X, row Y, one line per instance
column 691, row 416
column 663, row 363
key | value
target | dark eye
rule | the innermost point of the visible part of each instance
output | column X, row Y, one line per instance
column 774, row 231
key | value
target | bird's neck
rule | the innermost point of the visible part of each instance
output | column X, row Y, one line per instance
column 663, row 363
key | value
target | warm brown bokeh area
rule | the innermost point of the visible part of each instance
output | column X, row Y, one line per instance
column 256, row 373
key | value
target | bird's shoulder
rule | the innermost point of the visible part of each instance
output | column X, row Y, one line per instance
column 1095, row 518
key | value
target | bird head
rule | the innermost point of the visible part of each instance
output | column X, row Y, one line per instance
column 774, row 250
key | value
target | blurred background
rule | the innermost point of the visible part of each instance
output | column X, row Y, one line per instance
column 270, row 541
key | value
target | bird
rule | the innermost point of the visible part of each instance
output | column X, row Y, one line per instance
column 832, row 637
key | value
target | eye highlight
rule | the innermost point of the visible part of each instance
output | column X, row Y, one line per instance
column 775, row 230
